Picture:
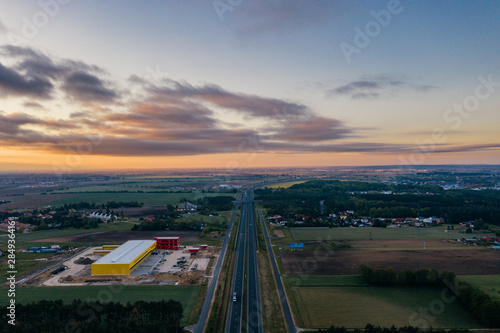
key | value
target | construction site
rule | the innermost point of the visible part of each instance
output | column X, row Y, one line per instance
column 162, row 261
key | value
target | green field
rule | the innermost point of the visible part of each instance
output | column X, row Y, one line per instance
column 356, row 306
column 286, row 184
column 370, row 233
column 490, row 284
column 148, row 199
column 185, row 294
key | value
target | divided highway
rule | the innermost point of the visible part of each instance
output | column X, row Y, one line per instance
column 202, row 319
column 235, row 310
column 254, row 314
column 246, row 243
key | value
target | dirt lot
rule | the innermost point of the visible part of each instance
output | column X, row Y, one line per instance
column 125, row 235
column 462, row 262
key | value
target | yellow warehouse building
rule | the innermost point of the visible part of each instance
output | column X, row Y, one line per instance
column 124, row 259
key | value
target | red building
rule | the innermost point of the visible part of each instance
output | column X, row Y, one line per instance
column 167, row 243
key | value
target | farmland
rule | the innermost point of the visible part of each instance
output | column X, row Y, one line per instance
column 152, row 199
column 150, row 190
column 351, row 234
column 488, row 283
column 286, row 184
column 462, row 262
column 356, row 306
column 121, row 236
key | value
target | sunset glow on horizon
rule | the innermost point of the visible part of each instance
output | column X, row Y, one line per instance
column 160, row 85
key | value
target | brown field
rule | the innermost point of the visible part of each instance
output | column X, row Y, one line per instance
column 462, row 262
column 31, row 201
column 411, row 244
column 125, row 235
column 279, row 233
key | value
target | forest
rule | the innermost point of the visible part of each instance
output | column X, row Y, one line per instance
column 368, row 199
column 55, row 316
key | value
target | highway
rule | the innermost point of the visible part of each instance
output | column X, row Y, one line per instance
column 246, row 244
column 202, row 319
column 254, row 314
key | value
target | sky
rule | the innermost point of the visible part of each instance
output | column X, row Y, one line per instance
column 236, row 84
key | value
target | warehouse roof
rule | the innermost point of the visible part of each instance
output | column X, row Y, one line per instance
column 126, row 253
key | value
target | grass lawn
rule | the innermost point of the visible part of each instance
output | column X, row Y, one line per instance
column 373, row 233
column 356, row 306
column 487, row 283
column 187, row 295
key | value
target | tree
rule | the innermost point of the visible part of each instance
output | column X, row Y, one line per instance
column 479, row 224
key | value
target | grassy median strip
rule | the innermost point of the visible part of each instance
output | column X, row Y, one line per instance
column 218, row 312
column 272, row 312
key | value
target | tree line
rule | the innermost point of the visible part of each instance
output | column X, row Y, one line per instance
column 78, row 316
column 421, row 277
column 218, row 203
column 480, row 304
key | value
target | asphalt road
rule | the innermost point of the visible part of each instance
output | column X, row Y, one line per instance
column 281, row 290
column 202, row 319
column 235, row 309
column 246, row 247
column 254, row 315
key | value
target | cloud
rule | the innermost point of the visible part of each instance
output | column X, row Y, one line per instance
column 249, row 105
column 36, row 75
column 372, row 87
column 87, row 87
column 260, row 17
column 314, row 129
column 174, row 118
column 33, row 105
column 468, row 148
column 18, row 84
column 3, row 28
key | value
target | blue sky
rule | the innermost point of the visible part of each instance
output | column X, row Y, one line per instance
column 374, row 108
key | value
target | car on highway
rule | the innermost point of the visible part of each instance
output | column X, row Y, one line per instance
column 234, row 297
